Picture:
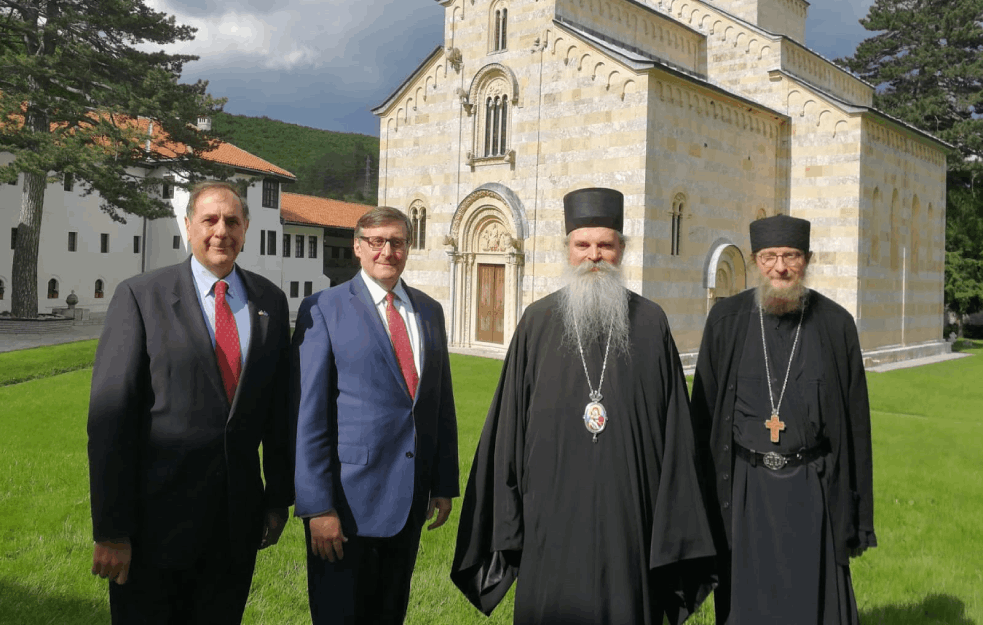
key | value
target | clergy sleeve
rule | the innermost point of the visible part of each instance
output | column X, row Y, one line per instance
column 682, row 553
column 858, row 405
column 490, row 534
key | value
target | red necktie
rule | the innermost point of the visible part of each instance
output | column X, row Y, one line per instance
column 226, row 341
column 401, row 343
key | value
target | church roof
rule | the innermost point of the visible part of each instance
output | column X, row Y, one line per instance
column 639, row 60
column 308, row 210
column 395, row 95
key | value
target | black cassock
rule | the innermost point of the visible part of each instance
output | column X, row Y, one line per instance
column 612, row 532
column 783, row 565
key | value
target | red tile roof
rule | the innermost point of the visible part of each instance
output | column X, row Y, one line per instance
column 163, row 147
column 225, row 153
column 319, row 211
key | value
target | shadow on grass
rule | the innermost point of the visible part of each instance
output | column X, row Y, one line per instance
column 943, row 609
column 22, row 605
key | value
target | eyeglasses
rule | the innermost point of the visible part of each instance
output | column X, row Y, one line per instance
column 377, row 243
column 792, row 259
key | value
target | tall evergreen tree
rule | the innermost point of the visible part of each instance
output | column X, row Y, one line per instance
column 926, row 63
column 80, row 95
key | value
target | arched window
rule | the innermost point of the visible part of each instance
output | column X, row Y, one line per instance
column 418, row 217
column 421, row 232
column 2, row 289
column 676, row 228
column 761, row 214
column 496, row 124
column 99, row 289
column 500, row 26
column 414, row 226
column 52, row 289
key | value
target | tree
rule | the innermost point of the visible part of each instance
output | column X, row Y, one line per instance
column 80, row 95
column 926, row 64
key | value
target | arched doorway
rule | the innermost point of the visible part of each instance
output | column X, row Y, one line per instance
column 725, row 272
column 486, row 256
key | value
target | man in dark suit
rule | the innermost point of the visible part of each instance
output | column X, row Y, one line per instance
column 189, row 379
column 376, row 430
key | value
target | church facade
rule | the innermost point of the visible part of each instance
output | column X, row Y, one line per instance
column 706, row 115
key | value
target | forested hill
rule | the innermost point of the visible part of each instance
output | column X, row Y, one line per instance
column 329, row 164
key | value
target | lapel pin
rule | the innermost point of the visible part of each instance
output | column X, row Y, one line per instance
column 263, row 313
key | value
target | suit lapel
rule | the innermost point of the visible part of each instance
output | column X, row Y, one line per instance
column 425, row 327
column 187, row 309
column 366, row 309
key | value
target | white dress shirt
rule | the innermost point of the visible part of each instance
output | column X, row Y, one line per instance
column 404, row 307
column 235, row 296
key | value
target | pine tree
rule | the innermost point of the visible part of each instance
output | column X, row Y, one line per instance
column 926, row 63
column 76, row 81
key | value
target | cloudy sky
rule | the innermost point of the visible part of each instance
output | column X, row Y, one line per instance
column 326, row 63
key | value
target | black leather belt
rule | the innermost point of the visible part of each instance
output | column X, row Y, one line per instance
column 775, row 461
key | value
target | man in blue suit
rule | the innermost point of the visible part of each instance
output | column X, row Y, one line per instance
column 376, row 430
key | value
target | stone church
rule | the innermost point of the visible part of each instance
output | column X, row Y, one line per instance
column 706, row 115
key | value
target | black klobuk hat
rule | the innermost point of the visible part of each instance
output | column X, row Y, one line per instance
column 780, row 231
column 593, row 208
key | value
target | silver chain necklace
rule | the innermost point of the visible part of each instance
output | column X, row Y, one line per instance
column 595, row 416
column 774, row 424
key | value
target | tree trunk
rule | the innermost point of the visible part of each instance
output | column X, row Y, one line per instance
column 24, row 299
column 24, row 296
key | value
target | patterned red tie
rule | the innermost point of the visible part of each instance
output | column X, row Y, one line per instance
column 401, row 343
column 226, row 341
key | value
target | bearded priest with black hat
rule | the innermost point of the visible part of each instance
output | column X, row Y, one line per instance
column 780, row 404
column 585, row 485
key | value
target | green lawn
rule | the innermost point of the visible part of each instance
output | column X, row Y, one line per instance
column 42, row 362
column 928, row 489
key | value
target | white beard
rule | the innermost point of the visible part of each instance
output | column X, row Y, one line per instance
column 593, row 304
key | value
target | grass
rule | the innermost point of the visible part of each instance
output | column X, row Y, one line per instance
column 928, row 486
column 41, row 362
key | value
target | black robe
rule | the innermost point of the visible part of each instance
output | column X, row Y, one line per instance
column 610, row 532
column 788, row 533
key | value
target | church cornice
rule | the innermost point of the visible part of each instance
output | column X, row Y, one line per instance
column 383, row 109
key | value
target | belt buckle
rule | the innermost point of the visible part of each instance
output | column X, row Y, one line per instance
column 774, row 461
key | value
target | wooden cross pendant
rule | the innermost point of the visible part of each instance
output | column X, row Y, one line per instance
column 775, row 426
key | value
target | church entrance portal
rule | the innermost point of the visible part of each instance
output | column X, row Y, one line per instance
column 491, row 304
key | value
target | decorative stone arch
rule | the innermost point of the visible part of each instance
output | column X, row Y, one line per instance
column 486, row 238
column 490, row 72
column 493, row 98
column 724, row 271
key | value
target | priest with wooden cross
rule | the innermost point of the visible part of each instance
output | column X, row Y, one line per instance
column 780, row 404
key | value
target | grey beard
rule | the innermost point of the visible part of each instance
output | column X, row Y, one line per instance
column 780, row 302
column 594, row 303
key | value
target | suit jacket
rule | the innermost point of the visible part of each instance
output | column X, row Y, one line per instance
column 170, row 461
column 362, row 442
